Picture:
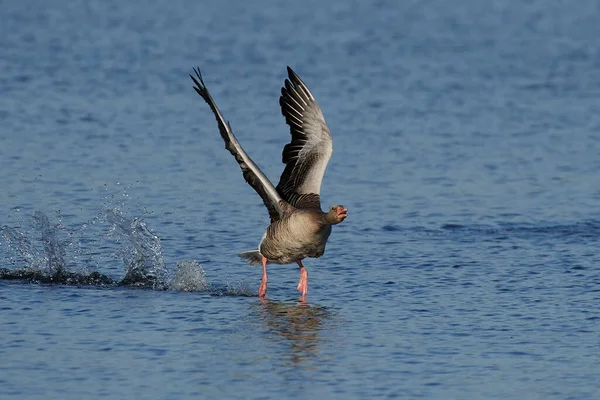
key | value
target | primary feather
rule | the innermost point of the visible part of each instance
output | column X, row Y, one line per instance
column 252, row 174
column 308, row 153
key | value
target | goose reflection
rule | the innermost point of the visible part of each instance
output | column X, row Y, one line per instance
column 297, row 325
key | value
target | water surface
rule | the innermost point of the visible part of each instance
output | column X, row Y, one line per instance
column 466, row 142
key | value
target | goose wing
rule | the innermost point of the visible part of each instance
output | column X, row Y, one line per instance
column 308, row 153
column 252, row 174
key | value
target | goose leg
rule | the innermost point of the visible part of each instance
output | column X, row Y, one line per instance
column 262, row 291
column 303, row 284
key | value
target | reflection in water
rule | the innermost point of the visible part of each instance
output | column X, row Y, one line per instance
column 295, row 324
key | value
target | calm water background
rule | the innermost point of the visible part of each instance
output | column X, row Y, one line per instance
column 466, row 147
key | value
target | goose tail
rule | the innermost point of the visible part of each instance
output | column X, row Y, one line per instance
column 252, row 257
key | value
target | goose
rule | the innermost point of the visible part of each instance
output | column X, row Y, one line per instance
column 299, row 228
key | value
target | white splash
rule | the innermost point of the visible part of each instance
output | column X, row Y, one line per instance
column 189, row 277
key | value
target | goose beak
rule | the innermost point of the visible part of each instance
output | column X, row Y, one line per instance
column 342, row 212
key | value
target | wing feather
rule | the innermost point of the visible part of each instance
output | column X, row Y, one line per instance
column 308, row 153
column 252, row 174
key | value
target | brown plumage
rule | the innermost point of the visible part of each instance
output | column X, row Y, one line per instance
column 299, row 228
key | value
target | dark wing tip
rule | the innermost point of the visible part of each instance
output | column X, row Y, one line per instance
column 293, row 76
column 200, row 86
column 296, row 82
column 198, row 74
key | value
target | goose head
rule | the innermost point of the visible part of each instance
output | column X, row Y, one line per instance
column 337, row 214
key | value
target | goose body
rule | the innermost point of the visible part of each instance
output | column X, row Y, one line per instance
column 302, row 234
column 299, row 228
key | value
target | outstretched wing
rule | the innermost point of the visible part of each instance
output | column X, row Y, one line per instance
column 307, row 155
column 252, row 174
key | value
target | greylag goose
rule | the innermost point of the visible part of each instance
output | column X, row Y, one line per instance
column 299, row 228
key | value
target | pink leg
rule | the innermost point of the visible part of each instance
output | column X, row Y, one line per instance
column 262, row 291
column 303, row 284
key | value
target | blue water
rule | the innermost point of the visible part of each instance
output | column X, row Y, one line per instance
column 466, row 148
